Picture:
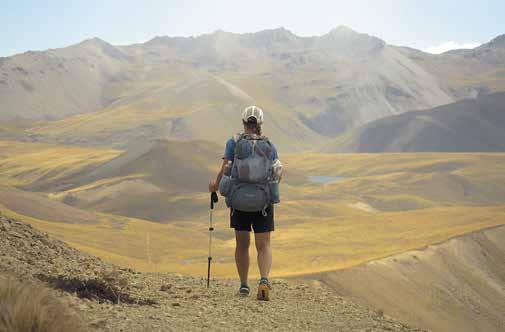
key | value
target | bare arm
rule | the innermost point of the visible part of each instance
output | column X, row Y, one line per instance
column 214, row 185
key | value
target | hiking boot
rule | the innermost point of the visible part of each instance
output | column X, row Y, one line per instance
column 243, row 291
column 264, row 290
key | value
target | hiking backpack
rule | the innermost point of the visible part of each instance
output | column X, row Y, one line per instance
column 248, row 189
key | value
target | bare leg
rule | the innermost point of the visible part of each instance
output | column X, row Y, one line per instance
column 264, row 249
column 243, row 240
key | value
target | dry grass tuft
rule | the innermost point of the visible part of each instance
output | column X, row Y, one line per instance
column 31, row 308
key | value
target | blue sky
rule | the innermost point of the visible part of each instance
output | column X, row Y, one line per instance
column 37, row 25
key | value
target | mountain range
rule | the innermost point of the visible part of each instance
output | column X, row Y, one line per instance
column 314, row 90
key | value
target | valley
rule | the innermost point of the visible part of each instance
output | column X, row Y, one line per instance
column 125, row 211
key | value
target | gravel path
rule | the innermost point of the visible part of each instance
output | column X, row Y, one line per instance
column 186, row 304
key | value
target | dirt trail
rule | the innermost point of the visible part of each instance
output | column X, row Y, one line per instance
column 170, row 302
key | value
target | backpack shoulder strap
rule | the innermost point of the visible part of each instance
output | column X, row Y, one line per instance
column 237, row 137
column 266, row 140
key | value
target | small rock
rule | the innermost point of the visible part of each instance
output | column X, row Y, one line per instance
column 176, row 304
column 14, row 234
column 100, row 324
column 165, row 288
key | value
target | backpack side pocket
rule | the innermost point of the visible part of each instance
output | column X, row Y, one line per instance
column 226, row 185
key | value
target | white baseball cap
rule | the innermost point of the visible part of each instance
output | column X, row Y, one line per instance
column 253, row 112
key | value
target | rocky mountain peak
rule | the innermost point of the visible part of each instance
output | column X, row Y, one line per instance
column 346, row 39
column 220, row 32
column 498, row 42
column 104, row 47
column 275, row 35
column 95, row 41
column 342, row 30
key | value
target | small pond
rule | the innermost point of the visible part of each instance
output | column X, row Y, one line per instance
column 324, row 179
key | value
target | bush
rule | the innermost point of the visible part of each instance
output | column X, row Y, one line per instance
column 29, row 307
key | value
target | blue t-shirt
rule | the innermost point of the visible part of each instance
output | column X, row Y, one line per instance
column 229, row 151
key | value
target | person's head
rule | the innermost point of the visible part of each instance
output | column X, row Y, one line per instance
column 252, row 118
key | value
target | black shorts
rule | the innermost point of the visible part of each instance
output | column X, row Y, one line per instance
column 242, row 221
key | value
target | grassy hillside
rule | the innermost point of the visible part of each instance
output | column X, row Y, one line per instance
column 180, row 102
column 158, row 180
column 24, row 163
column 39, row 206
column 404, row 181
column 471, row 125
column 454, row 285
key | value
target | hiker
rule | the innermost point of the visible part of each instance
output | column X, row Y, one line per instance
column 249, row 179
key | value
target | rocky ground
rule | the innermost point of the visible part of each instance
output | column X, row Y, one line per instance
column 109, row 298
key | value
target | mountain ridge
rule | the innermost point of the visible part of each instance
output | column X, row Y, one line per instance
column 469, row 125
column 449, row 270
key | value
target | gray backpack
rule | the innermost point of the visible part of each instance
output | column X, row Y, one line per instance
column 251, row 172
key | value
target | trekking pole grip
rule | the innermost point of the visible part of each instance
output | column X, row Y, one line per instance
column 213, row 199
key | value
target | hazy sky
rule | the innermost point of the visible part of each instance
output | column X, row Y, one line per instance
column 424, row 24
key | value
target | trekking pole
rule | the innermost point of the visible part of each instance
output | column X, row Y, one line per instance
column 213, row 199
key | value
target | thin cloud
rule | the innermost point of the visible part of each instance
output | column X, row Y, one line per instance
column 450, row 45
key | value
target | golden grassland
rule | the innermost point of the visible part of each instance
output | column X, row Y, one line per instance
column 23, row 163
column 301, row 246
column 384, row 204
column 493, row 79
